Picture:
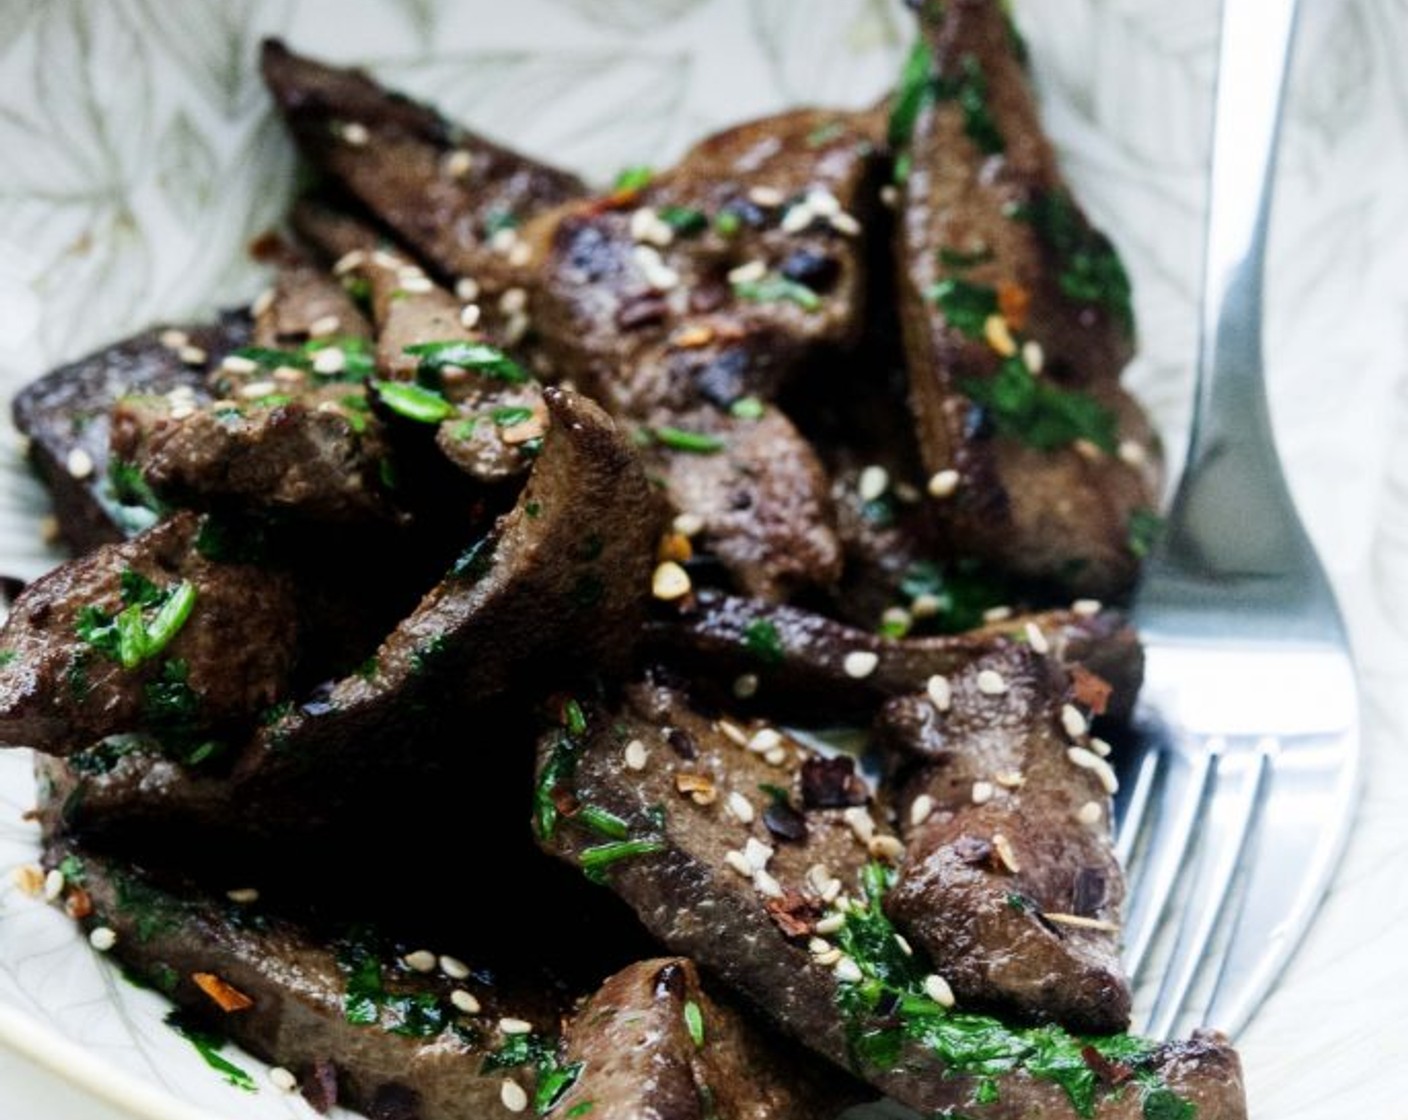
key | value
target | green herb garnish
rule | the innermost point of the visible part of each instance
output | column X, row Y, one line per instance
column 483, row 359
column 957, row 259
column 1143, row 529
column 415, row 402
column 684, row 220
column 633, row 178
column 208, row 1046
column 510, row 415
column 678, row 439
column 597, row 859
column 914, row 91
column 747, row 408
column 1088, row 268
column 602, row 821
column 762, row 640
column 969, row 87
column 694, row 1022
column 149, row 619
column 1039, row 413
column 966, row 306
column 774, row 288
column 728, row 223
column 579, row 1110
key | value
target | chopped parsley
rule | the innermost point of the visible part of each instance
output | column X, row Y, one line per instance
column 959, row 259
column 366, row 1001
column 552, row 1080
column 1143, row 529
column 358, row 360
column 678, row 439
column 747, row 408
column 1038, row 412
column 480, row 357
column 966, row 306
column 774, row 289
column 149, row 619
column 633, row 178
column 694, row 1022
column 728, row 223
column 208, row 1046
column 510, row 415
column 595, row 860
column 684, row 220
column 130, row 488
column 762, row 640
column 1088, row 268
column 415, row 402
column 969, row 88
column 955, row 597
column 913, row 94
column 579, row 1110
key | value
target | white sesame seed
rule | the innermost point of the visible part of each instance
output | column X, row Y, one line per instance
column 1036, row 638
column 860, row 663
column 745, row 685
column 515, row 1026
column 748, row 273
column 239, row 364
column 1100, row 747
column 997, row 614
column 1081, row 922
column 999, row 335
column 688, row 524
column 102, row 938
column 520, row 253
column 826, row 960
column 766, row 885
column 282, row 1080
column 288, row 375
column 1086, row 608
column 823, row 202
column 757, row 853
column 832, row 923
column 982, row 792
column 262, row 302
column 348, row 261
column 739, row 862
column 53, row 885
column 819, row 946
column 174, row 339
column 1132, row 453
column 832, row 891
column 1009, row 779
column 798, row 217
column 79, row 463
column 1033, row 357
column 1091, row 813
column 1073, row 722
column 943, row 483
column 422, row 960
column 192, row 355
column 324, row 326
column 845, row 224
column 636, row 755
column 29, row 878
column 765, row 739
column 873, row 482
column 848, row 972
column 1003, row 847
column 243, row 896
column 466, row 289
column 925, row 605
column 1089, row 451
column 515, row 329
column 512, row 1095
column 940, row 692
column 470, row 315
column 905, row 947
column 454, row 968
column 890, row 195
column 256, row 389
column 921, row 809
column 818, row 876
column 465, row 1001
column 355, row 133
column 382, row 259
column 670, row 581
column 765, row 196
column 329, row 360
column 887, row 848
column 641, row 221
column 991, row 683
column 457, row 164
column 740, row 807
column 732, row 732
column 938, row 990
column 503, row 240
column 415, row 283
column 861, row 823
column 1089, row 760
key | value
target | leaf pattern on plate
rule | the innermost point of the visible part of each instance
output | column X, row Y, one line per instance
column 631, row 15
column 841, row 59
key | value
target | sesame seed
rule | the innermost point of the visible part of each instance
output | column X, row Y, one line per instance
column 823, row 202
column 860, row 663
column 382, row 259
column 999, row 335
column 1089, row 760
column 861, row 823
column 470, row 315
column 1091, row 813
column 698, row 787
column 732, row 732
column 1033, row 357
column 819, row 946
column 832, row 923
column 641, row 222
column 848, row 972
column 465, row 1001
column 943, row 483
column 940, row 692
column 515, row 329
column 79, row 463
column 764, row 740
column 457, row 164
column 454, row 968
column 890, row 195
column 1080, row 922
column 503, row 240
column 745, row 685
column 288, row 375
column 739, row 862
column 905, row 947
column 740, row 807
column 938, row 990
column 983, row 792
column 925, row 605
column 192, row 355
column 174, row 339
column 688, row 524
column 907, row 493
column 355, row 133
column 1009, row 779
column 329, row 360
column 765, row 196
column 348, row 261
column 757, row 853
column 29, row 878
column 888, row 848
column 422, row 960
column 1100, row 747
column 326, row 325
column 826, row 960
column 991, row 683
column 897, row 618
column 798, row 217
column 670, row 582
column 748, row 273
column 921, row 809
column 766, row 885
column 846, row 224
column 818, row 876
column 1036, row 638
column 997, row 614
column 53, row 885
column 512, row 1095
column 515, row 1026
column 49, row 529
column 262, row 302
column 1073, row 722
column 243, row 896
column 873, row 482
column 1132, row 453
column 1090, row 452
column 415, row 283
column 520, row 253
column 282, row 1080
column 1003, row 847
column 636, row 755
column 256, row 389
column 238, row 363
column 466, row 289
column 776, row 757
column 1086, row 608
column 102, row 938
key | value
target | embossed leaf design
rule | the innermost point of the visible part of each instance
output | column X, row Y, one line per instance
column 630, row 15
column 846, row 55
column 214, row 44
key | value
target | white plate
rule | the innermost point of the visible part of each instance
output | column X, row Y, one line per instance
column 138, row 155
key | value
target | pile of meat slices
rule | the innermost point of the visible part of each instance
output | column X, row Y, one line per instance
column 520, row 522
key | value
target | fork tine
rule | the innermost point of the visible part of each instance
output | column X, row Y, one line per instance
column 1225, row 840
column 1167, row 854
column 1136, row 808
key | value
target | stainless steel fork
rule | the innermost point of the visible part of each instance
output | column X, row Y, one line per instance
column 1241, row 789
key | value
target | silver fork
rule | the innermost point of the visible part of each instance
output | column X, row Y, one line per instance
column 1241, row 789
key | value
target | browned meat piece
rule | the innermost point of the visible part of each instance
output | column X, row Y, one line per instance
column 1017, row 323
column 643, row 798
column 147, row 635
column 454, row 197
column 652, row 1043
column 305, row 303
column 687, row 302
column 65, row 416
column 1010, row 879
column 819, row 670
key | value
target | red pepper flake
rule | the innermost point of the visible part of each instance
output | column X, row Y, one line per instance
column 1090, row 689
column 1109, row 1071
column 795, row 914
column 78, row 904
column 1013, row 301
column 226, row 996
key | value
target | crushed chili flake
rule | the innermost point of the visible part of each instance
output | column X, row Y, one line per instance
column 1013, row 301
column 78, row 904
column 1108, row 1070
column 1091, row 690
column 226, row 996
column 794, row 913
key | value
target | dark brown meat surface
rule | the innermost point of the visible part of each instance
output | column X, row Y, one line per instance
column 1017, row 324
column 1010, row 880
column 304, row 303
column 146, row 635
